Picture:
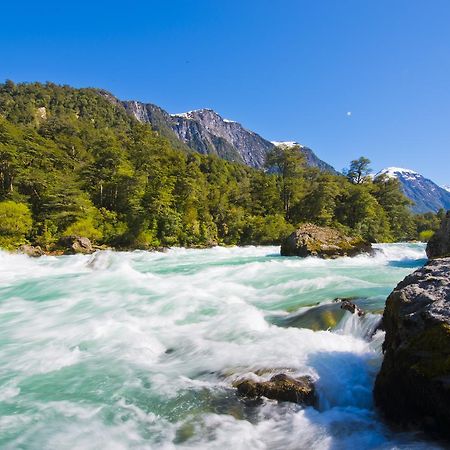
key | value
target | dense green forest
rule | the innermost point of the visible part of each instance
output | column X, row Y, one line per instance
column 72, row 162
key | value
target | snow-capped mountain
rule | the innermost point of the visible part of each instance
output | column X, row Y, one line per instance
column 207, row 132
column 426, row 195
column 446, row 187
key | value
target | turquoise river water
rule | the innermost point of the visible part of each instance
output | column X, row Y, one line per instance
column 140, row 350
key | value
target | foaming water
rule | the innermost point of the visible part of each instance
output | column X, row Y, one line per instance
column 140, row 350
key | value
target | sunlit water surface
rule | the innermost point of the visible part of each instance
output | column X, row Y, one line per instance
column 139, row 350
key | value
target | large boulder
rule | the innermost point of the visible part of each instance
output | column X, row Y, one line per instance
column 31, row 250
column 439, row 245
column 413, row 385
column 326, row 242
column 280, row 387
column 76, row 244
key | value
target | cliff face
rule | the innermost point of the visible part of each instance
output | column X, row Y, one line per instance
column 207, row 132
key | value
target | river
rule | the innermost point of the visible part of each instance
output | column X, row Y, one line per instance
column 139, row 350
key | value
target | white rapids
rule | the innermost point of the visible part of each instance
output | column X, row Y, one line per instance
column 139, row 350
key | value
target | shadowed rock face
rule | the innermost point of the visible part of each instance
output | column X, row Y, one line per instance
column 281, row 387
column 439, row 244
column 312, row 240
column 413, row 386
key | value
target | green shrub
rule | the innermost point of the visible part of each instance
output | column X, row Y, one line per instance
column 425, row 235
column 15, row 224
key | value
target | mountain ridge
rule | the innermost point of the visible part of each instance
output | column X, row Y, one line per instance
column 425, row 193
column 207, row 132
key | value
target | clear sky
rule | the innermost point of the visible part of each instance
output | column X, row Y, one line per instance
column 345, row 77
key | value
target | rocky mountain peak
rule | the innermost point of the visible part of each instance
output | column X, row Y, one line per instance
column 426, row 195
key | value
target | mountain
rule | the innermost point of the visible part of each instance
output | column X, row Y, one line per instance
column 207, row 132
column 426, row 195
column 311, row 158
column 446, row 187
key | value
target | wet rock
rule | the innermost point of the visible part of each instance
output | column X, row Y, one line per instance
column 324, row 316
column 325, row 242
column 280, row 387
column 439, row 244
column 31, row 250
column 76, row 244
column 413, row 386
column 348, row 305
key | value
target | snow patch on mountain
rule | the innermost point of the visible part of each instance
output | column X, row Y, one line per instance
column 395, row 172
column 286, row 144
column 426, row 195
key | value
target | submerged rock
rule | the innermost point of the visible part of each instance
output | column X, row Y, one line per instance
column 76, row 244
column 326, row 242
column 413, row 386
column 31, row 250
column 280, row 387
column 439, row 244
column 348, row 305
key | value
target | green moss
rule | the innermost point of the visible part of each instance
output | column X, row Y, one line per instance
column 435, row 338
column 433, row 345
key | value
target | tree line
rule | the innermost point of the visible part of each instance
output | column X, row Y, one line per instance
column 72, row 162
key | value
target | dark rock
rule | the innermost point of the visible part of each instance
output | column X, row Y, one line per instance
column 351, row 307
column 31, row 250
column 439, row 244
column 76, row 244
column 413, row 386
column 280, row 387
column 326, row 242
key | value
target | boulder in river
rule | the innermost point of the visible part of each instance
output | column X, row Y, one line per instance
column 280, row 387
column 439, row 244
column 325, row 242
column 413, row 385
column 31, row 250
column 76, row 244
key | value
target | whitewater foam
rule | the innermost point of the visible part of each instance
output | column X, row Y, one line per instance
column 140, row 350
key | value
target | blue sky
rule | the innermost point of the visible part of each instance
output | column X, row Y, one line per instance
column 289, row 70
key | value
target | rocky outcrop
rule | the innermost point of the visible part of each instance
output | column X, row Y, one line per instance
column 31, row 250
column 280, row 387
column 76, row 244
column 439, row 244
column 413, row 385
column 325, row 242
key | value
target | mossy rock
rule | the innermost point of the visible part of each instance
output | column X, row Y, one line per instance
column 413, row 386
column 280, row 387
column 325, row 242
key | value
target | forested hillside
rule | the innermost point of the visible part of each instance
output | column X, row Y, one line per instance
column 74, row 163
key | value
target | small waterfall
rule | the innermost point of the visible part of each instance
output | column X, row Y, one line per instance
column 362, row 327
